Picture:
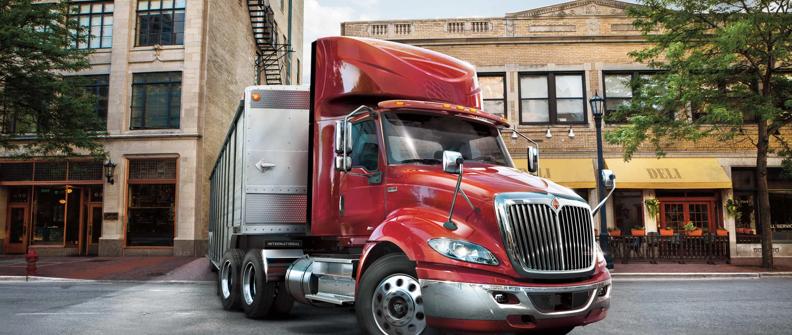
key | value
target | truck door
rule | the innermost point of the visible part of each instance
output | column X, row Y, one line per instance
column 362, row 205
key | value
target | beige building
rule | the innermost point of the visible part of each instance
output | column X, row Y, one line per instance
column 539, row 67
column 168, row 75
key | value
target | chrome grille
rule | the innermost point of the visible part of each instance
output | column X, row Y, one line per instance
column 543, row 240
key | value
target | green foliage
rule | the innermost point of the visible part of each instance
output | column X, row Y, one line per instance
column 653, row 207
column 722, row 62
column 42, row 110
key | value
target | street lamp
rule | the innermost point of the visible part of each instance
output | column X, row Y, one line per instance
column 597, row 109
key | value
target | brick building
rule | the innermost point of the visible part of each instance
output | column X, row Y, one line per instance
column 168, row 75
column 540, row 66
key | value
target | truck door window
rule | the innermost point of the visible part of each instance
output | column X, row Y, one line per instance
column 365, row 152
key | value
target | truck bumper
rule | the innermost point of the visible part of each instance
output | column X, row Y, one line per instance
column 489, row 308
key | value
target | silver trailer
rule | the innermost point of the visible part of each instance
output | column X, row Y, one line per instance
column 258, row 184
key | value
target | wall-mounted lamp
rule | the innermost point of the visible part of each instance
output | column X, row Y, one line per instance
column 548, row 134
column 571, row 133
column 109, row 171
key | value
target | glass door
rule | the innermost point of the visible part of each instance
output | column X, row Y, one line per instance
column 676, row 214
column 17, row 227
column 93, row 229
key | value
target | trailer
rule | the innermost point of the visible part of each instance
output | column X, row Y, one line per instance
column 385, row 187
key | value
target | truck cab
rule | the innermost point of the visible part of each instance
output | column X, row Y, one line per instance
column 384, row 186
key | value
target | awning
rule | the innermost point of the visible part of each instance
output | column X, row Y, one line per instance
column 669, row 173
column 572, row 172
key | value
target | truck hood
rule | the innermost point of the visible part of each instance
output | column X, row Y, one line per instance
column 479, row 181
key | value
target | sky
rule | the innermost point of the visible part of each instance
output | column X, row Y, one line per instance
column 323, row 17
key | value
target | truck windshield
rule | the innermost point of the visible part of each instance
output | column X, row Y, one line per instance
column 421, row 138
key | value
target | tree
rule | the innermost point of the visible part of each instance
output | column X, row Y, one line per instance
column 723, row 67
column 43, row 111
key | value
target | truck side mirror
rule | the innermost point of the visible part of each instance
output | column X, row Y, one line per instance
column 343, row 145
column 608, row 179
column 452, row 162
column 533, row 159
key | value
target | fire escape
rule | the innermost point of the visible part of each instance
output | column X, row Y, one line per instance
column 270, row 52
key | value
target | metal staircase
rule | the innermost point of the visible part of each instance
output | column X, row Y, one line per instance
column 270, row 53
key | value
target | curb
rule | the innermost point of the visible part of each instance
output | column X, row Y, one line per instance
column 23, row 279
column 699, row 275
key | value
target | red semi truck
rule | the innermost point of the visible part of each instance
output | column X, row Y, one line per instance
column 384, row 186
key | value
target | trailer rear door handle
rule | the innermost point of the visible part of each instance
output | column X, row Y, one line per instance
column 261, row 166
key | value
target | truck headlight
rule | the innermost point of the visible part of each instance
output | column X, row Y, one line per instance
column 463, row 251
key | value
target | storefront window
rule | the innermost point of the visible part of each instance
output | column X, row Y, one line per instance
column 781, row 216
column 49, row 219
column 628, row 210
column 745, row 194
column 152, row 198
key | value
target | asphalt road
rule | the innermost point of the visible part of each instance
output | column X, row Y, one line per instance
column 744, row 306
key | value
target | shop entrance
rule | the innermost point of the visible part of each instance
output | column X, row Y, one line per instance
column 16, row 228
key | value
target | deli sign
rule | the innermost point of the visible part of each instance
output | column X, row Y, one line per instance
column 664, row 173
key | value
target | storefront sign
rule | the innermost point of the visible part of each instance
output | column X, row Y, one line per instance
column 758, row 251
column 110, row 216
column 783, row 226
column 664, row 173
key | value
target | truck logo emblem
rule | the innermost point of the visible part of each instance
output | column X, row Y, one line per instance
column 555, row 203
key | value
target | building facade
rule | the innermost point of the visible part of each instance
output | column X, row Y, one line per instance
column 539, row 67
column 168, row 75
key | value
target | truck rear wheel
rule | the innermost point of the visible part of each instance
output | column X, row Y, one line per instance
column 257, row 294
column 228, row 279
column 389, row 299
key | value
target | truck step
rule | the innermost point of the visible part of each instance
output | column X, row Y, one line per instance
column 335, row 299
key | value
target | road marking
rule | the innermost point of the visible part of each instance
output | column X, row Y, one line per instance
column 58, row 313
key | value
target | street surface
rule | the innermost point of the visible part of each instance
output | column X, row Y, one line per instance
column 737, row 306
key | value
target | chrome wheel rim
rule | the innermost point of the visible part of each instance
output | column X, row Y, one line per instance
column 249, row 283
column 397, row 306
column 226, row 279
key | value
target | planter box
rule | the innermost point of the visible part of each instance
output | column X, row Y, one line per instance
column 614, row 233
column 638, row 232
column 722, row 232
column 695, row 233
column 666, row 232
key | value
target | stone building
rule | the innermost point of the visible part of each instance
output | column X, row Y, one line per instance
column 168, row 75
column 539, row 67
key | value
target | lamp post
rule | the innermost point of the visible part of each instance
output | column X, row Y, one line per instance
column 597, row 109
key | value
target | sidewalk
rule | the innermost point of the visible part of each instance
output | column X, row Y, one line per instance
column 113, row 268
column 740, row 267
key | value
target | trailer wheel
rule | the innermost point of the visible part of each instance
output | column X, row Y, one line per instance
column 390, row 299
column 228, row 279
column 257, row 294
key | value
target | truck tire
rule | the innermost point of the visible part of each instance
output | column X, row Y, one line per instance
column 257, row 294
column 228, row 279
column 283, row 303
column 389, row 298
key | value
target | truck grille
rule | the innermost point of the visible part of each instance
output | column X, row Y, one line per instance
column 542, row 240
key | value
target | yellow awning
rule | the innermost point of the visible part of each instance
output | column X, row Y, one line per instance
column 669, row 173
column 572, row 172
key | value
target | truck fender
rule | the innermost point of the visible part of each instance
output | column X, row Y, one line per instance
column 407, row 230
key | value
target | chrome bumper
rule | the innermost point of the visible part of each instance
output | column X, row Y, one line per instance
column 466, row 301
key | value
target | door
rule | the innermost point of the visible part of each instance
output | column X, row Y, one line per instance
column 676, row 214
column 93, row 230
column 17, row 225
column 362, row 202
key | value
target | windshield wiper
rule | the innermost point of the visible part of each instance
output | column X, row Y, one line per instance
column 428, row 161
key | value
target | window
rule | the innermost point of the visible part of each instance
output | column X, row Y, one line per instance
column 156, row 100
column 365, row 152
column 98, row 86
column 160, row 22
column 402, row 28
column 151, row 202
column 493, row 92
column 379, row 29
column 619, row 91
column 96, row 18
column 552, row 98
column 480, row 26
column 456, row 27
column 628, row 209
column 421, row 138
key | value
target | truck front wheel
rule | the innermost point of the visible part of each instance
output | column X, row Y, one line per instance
column 228, row 279
column 389, row 299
